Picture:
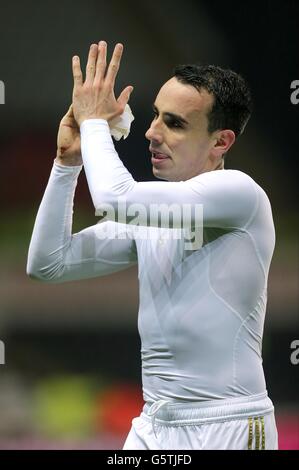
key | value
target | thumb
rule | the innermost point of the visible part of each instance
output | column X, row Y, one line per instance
column 125, row 96
column 70, row 112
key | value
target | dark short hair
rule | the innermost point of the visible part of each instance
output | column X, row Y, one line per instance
column 232, row 105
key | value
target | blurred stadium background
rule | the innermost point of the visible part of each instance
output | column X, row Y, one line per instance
column 72, row 372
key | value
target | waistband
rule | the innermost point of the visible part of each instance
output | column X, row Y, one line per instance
column 176, row 413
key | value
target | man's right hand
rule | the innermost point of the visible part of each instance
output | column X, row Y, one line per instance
column 68, row 141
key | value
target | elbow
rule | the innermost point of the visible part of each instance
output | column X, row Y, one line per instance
column 36, row 275
column 31, row 274
column 32, row 271
column 45, row 275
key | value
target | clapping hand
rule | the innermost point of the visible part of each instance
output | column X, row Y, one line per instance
column 94, row 98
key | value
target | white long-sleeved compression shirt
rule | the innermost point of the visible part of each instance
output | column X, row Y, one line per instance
column 201, row 311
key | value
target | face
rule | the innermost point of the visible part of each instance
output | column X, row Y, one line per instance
column 180, row 143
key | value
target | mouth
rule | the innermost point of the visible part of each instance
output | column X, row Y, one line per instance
column 158, row 158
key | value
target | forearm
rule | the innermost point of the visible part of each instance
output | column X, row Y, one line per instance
column 106, row 175
column 53, row 225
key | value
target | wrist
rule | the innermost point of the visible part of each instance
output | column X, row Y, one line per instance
column 88, row 118
column 64, row 160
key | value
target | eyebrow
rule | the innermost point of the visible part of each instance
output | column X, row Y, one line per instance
column 172, row 115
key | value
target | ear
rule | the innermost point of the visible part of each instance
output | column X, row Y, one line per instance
column 223, row 141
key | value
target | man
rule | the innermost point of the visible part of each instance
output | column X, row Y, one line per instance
column 202, row 306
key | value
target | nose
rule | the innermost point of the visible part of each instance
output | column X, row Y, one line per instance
column 154, row 133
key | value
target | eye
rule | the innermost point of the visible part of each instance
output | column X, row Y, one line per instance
column 172, row 123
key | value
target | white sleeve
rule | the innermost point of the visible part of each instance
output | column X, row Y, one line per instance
column 55, row 255
column 228, row 197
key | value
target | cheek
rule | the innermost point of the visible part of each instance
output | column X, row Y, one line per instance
column 190, row 155
column 189, row 146
column 180, row 147
column 200, row 148
column 187, row 150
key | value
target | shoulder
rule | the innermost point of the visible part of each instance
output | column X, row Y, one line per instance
column 232, row 193
column 224, row 175
column 245, row 181
column 225, row 182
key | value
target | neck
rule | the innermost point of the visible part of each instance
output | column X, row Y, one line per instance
column 220, row 165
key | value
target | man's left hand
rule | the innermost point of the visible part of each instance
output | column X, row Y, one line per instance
column 94, row 98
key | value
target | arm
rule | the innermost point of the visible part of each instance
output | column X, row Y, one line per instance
column 55, row 255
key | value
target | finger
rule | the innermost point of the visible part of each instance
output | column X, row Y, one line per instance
column 125, row 96
column 101, row 62
column 91, row 64
column 114, row 65
column 77, row 73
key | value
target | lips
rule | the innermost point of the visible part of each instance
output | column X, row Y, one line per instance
column 159, row 159
column 159, row 156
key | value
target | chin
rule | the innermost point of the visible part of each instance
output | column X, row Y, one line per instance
column 158, row 174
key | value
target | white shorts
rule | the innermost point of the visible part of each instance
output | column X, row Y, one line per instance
column 237, row 424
